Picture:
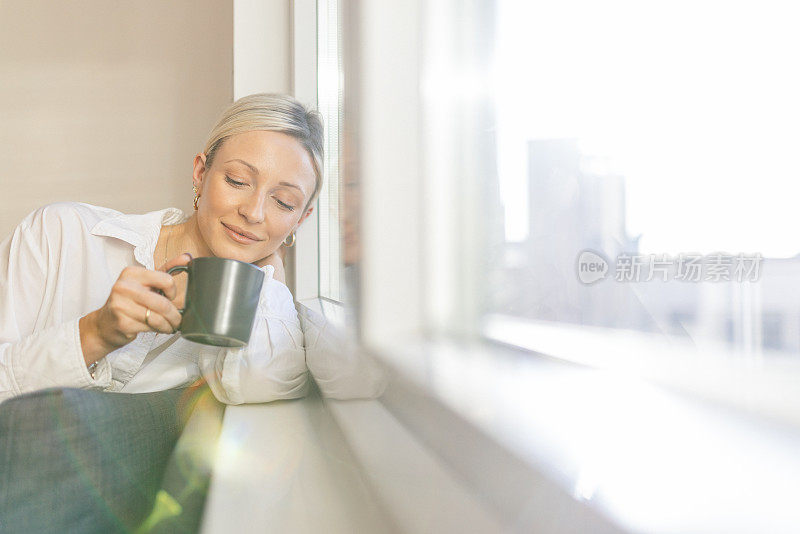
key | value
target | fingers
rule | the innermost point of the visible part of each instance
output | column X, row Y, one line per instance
column 154, row 321
column 137, row 290
column 135, row 319
column 164, row 316
column 155, row 280
column 136, row 299
column 182, row 259
column 274, row 260
column 280, row 273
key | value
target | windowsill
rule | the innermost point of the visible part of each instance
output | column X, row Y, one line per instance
column 333, row 312
column 762, row 384
column 284, row 467
column 535, row 443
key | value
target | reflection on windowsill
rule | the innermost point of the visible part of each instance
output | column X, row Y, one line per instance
column 339, row 367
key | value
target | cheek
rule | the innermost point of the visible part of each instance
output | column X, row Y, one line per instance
column 280, row 222
column 219, row 204
column 219, row 197
column 208, row 216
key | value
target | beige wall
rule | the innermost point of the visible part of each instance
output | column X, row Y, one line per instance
column 107, row 102
column 262, row 46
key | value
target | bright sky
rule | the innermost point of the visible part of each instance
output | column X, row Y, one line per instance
column 697, row 104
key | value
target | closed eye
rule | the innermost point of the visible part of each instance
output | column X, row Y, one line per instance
column 285, row 205
column 234, row 182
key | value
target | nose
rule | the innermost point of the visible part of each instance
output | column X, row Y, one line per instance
column 253, row 208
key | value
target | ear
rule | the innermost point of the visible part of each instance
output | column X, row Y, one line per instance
column 305, row 216
column 199, row 170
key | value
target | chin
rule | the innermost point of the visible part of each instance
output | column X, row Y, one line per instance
column 234, row 253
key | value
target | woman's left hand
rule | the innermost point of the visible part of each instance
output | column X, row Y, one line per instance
column 276, row 260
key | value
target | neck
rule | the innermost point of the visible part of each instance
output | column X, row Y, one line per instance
column 180, row 238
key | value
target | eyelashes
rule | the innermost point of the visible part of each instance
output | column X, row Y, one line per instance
column 238, row 184
column 285, row 205
column 234, row 182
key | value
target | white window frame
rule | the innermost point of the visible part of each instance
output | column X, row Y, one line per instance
column 304, row 88
column 329, row 104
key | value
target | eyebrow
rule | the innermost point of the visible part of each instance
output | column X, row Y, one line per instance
column 255, row 171
column 243, row 162
column 289, row 184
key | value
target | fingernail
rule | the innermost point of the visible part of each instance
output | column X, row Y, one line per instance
column 190, row 256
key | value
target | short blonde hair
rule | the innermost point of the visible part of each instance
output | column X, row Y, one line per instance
column 277, row 113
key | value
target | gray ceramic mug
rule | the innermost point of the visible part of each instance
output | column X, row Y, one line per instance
column 221, row 301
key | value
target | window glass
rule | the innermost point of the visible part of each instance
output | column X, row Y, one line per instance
column 647, row 169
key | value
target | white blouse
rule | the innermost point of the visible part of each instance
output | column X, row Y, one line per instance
column 60, row 264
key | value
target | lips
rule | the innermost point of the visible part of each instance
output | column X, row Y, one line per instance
column 239, row 235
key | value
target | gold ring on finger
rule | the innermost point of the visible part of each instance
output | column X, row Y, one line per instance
column 147, row 318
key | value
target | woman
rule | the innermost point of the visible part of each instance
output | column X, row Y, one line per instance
column 79, row 305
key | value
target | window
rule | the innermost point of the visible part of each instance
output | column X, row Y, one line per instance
column 646, row 171
column 329, row 76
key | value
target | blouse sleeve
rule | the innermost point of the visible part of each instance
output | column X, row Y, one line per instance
column 273, row 365
column 34, row 357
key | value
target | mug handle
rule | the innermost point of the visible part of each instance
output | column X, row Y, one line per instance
column 177, row 269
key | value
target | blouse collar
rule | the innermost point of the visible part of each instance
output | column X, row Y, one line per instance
column 141, row 231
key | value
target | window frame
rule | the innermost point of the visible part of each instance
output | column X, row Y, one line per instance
column 330, row 197
column 304, row 88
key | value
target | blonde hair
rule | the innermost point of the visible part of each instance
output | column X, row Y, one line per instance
column 272, row 112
